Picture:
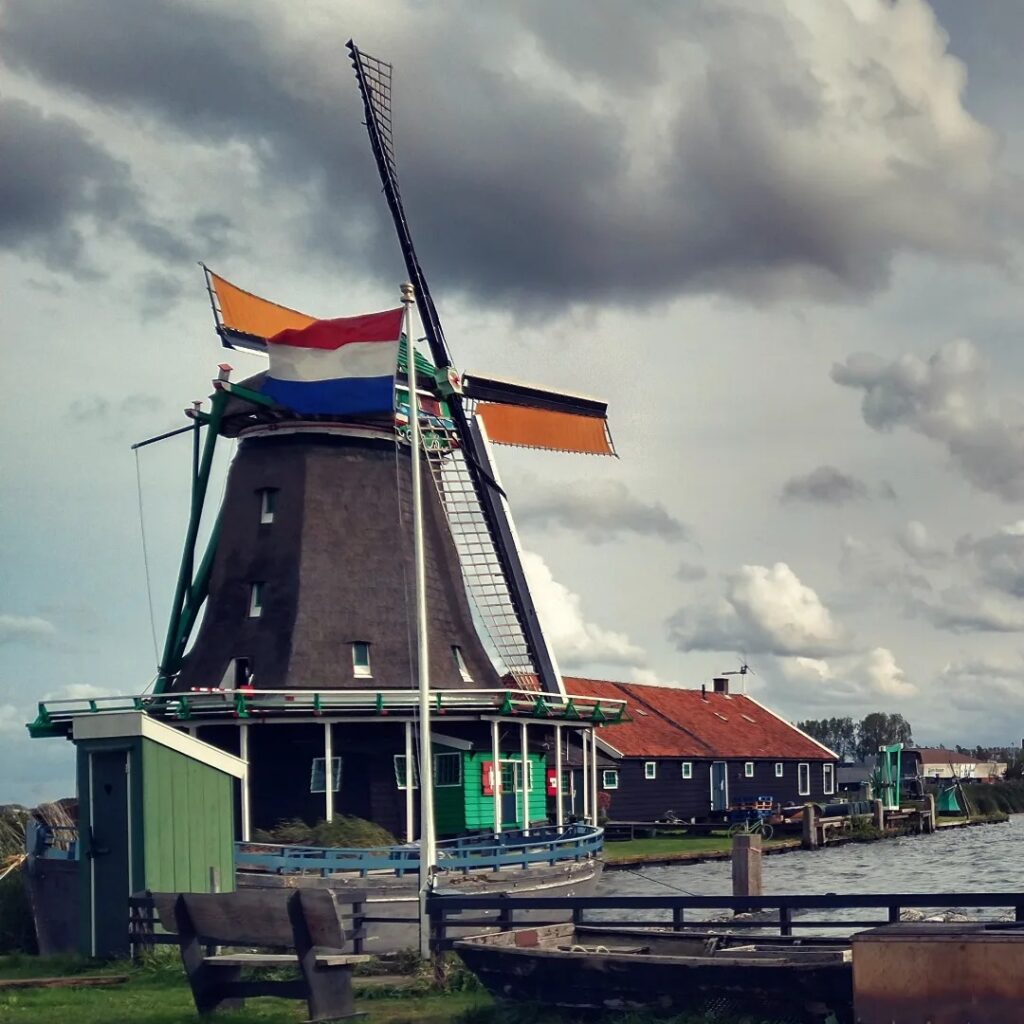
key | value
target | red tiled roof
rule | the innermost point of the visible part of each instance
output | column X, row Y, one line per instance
column 938, row 755
column 672, row 722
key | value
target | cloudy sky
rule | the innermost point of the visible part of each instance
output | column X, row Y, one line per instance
column 784, row 241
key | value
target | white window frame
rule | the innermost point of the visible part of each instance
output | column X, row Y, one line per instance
column 399, row 759
column 361, row 671
column 437, row 774
column 748, row 769
column 460, row 664
column 828, row 779
column 780, row 769
column 610, row 778
column 335, row 774
column 686, row 770
column 255, row 600
column 650, row 769
column 268, row 500
column 803, row 778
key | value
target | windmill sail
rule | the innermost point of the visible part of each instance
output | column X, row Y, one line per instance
column 491, row 558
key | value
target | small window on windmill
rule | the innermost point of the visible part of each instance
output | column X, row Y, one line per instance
column 255, row 600
column 268, row 503
column 361, row 659
column 318, row 775
column 238, row 673
column 460, row 664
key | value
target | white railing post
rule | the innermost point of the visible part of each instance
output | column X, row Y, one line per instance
column 496, row 780
column 410, row 794
column 559, row 808
column 585, row 778
column 328, row 773
column 243, row 753
column 526, row 779
column 593, row 774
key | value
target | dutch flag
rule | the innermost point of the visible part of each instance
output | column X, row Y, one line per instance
column 336, row 367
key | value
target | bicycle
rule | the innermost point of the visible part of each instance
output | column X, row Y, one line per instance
column 751, row 826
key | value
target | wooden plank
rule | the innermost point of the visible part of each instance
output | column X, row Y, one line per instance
column 86, row 981
column 339, row 959
column 251, row 960
column 247, row 918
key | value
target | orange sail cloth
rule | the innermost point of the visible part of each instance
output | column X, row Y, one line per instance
column 249, row 314
column 542, row 428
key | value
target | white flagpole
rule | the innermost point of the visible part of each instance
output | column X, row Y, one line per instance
column 428, row 841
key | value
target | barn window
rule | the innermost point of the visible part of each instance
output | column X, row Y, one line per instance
column 460, row 664
column 317, row 779
column 268, row 502
column 748, row 769
column 255, row 600
column 447, row 769
column 803, row 779
column 650, row 769
column 687, row 769
column 779, row 768
column 361, row 659
column 828, row 779
column 400, row 772
column 610, row 778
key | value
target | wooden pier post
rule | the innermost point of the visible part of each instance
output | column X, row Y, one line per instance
column 810, row 827
column 746, row 865
column 932, row 822
column 879, row 814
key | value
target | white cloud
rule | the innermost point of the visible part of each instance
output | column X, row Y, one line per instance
column 947, row 400
column 762, row 610
column 878, row 672
column 968, row 609
column 577, row 642
column 915, row 540
column 27, row 629
column 11, row 720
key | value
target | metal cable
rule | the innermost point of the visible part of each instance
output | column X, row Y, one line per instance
column 145, row 561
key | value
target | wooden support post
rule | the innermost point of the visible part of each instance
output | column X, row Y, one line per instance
column 585, row 778
column 746, row 865
column 810, row 841
column 932, row 822
column 593, row 776
column 410, row 793
column 879, row 809
column 559, row 797
column 525, row 778
column 329, row 773
column 496, row 762
column 243, row 753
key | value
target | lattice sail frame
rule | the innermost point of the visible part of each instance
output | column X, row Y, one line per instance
column 487, row 563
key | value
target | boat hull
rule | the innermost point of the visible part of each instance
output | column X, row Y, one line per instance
column 659, row 973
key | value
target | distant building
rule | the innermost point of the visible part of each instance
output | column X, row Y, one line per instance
column 939, row 763
column 695, row 753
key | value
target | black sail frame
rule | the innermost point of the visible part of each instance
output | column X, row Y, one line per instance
column 374, row 79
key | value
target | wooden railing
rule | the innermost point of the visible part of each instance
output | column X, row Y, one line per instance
column 465, row 914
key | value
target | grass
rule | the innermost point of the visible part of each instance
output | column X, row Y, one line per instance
column 678, row 845
column 156, row 993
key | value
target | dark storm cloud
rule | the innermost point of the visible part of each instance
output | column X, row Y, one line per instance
column 825, row 485
column 676, row 148
column 56, row 183
column 599, row 510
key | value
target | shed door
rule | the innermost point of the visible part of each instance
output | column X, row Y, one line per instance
column 719, row 786
column 109, row 852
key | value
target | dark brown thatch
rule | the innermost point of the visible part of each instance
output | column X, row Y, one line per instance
column 336, row 566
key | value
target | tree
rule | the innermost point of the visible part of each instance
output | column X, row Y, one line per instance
column 838, row 734
column 879, row 729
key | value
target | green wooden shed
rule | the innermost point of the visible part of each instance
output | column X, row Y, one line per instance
column 156, row 811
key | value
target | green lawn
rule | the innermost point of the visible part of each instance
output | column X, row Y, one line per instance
column 675, row 845
column 161, row 996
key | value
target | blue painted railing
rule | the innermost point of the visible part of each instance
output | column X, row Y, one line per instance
column 545, row 845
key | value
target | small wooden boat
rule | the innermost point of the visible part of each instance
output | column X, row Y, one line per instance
column 662, row 972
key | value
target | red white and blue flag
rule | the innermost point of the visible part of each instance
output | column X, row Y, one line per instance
column 336, row 367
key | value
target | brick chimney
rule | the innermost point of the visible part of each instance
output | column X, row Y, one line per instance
column 721, row 684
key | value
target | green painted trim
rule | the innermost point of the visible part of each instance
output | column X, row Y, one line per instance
column 251, row 396
column 171, row 660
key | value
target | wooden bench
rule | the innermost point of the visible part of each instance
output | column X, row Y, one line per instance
column 309, row 922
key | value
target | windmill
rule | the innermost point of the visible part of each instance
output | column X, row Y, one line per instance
column 485, row 407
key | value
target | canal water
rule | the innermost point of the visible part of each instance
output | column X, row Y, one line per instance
column 984, row 858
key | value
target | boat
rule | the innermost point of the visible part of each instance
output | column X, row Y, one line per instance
column 664, row 973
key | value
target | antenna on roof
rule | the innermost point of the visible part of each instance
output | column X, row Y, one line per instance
column 743, row 671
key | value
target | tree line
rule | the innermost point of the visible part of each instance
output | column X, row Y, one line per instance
column 857, row 740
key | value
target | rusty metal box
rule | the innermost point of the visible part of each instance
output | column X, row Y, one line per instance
column 925, row 973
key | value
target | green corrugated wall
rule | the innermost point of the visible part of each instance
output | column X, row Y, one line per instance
column 188, row 823
column 480, row 807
